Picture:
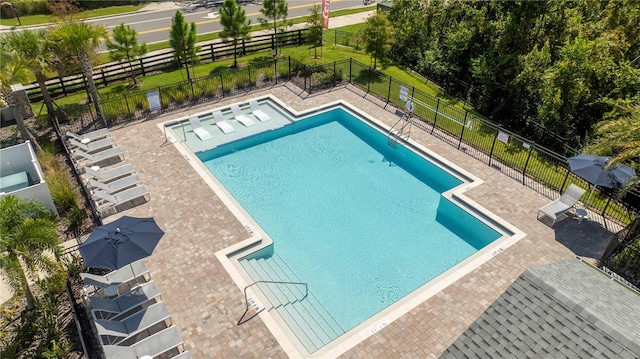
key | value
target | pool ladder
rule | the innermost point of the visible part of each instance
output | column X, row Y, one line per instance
column 400, row 131
column 246, row 300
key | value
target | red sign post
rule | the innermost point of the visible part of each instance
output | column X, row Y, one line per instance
column 325, row 13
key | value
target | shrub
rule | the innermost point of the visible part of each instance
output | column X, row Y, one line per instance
column 61, row 191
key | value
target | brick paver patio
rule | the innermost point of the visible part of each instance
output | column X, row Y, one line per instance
column 205, row 303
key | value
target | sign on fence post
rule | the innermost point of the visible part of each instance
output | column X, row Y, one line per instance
column 153, row 98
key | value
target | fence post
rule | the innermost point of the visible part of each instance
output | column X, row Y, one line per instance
column 64, row 89
column 350, row 62
column 435, row 117
column 244, row 51
column 222, row 84
column 144, row 73
column 334, row 74
column 464, row 122
column 213, row 56
column 249, row 72
column 289, row 69
column 388, row 93
column 604, row 210
column 104, row 79
column 299, row 37
column 493, row 145
column 275, row 70
column 369, row 80
column 565, row 180
column 526, row 164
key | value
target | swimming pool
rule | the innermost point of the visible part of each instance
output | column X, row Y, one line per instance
column 363, row 223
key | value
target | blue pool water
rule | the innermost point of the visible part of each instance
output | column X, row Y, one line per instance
column 362, row 223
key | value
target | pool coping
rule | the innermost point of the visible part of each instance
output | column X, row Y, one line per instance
column 257, row 239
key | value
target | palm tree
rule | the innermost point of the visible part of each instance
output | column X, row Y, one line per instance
column 13, row 69
column 235, row 25
column 80, row 40
column 620, row 139
column 28, row 237
column 35, row 49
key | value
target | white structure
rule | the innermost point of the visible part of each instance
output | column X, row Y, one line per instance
column 21, row 175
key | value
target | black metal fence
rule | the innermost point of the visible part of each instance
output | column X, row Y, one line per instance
column 622, row 255
column 521, row 158
column 349, row 39
column 161, row 61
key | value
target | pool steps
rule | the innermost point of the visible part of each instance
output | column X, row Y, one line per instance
column 304, row 315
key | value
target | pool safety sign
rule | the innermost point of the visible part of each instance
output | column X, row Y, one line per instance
column 153, row 98
column 404, row 92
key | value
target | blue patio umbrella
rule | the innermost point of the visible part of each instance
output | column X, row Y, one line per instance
column 121, row 242
column 594, row 170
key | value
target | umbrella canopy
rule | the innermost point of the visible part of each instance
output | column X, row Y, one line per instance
column 124, row 241
column 594, row 170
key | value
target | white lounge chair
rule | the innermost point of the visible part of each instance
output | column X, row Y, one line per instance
column 256, row 111
column 154, row 345
column 93, row 158
column 568, row 200
column 112, row 174
column 202, row 134
column 92, row 146
column 222, row 124
column 142, row 322
column 123, row 275
column 125, row 304
column 115, row 186
column 120, row 198
column 243, row 119
column 91, row 136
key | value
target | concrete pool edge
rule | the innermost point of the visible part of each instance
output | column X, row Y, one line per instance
column 256, row 239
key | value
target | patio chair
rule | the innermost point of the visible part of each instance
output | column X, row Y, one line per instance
column 256, row 111
column 91, row 136
column 115, row 186
column 112, row 174
column 564, row 204
column 243, row 119
column 222, row 124
column 146, row 321
column 123, row 275
column 154, row 345
column 92, row 146
column 125, row 304
column 93, row 158
column 120, row 198
column 197, row 128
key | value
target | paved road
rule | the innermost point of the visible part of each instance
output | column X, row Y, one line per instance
column 154, row 21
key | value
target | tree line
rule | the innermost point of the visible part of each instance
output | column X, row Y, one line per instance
column 566, row 65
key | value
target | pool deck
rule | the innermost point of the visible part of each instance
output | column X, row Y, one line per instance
column 205, row 303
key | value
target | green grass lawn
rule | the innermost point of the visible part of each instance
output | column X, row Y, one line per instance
column 45, row 19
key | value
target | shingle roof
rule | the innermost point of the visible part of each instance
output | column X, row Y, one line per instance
column 566, row 309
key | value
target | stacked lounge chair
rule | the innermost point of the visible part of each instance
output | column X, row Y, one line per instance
column 111, row 188
column 136, row 271
column 124, row 304
column 135, row 323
